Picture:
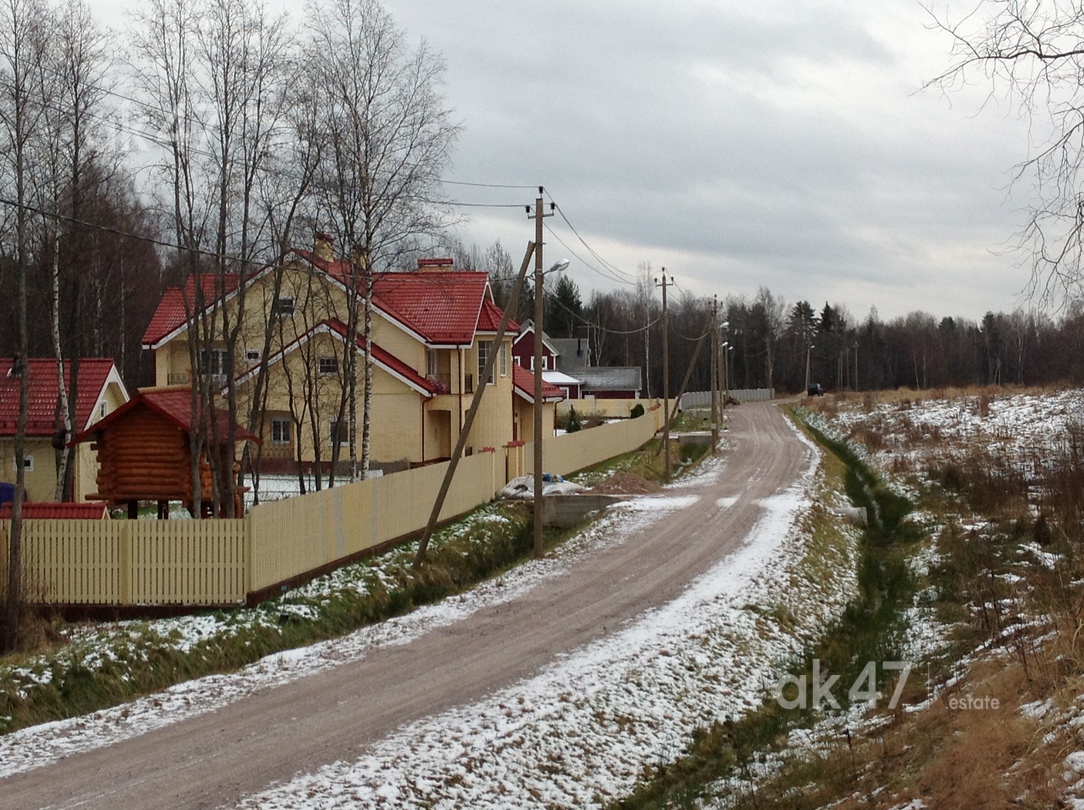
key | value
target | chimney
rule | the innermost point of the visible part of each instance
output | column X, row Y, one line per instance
column 324, row 247
column 434, row 265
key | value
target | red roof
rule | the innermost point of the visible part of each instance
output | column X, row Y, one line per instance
column 387, row 359
column 170, row 314
column 54, row 511
column 523, row 380
column 491, row 316
column 175, row 404
column 45, row 395
column 444, row 308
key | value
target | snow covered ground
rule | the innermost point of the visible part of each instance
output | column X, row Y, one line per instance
column 580, row 732
column 1026, row 431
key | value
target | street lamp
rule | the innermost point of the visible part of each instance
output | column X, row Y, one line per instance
column 556, row 268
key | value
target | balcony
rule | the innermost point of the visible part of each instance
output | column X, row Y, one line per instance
column 442, row 381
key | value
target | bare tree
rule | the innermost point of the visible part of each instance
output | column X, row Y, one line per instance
column 73, row 87
column 1030, row 51
column 387, row 137
column 23, row 54
column 216, row 74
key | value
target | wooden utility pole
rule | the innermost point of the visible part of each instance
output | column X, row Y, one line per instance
column 715, row 376
column 665, row 376
column 476, row 400
column 539, row 214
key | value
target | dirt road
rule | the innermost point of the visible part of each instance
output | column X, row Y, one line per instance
column 218, row 758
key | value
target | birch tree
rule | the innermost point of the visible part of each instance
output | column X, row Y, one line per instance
column 23, row 54
column 387, row 136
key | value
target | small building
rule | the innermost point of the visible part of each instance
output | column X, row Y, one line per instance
column 612, row 382
column 523, row 349
column 144, row 452
column 100, row 391
column 571, row 387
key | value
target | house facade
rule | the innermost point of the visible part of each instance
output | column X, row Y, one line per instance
column 100, row 392
column 432, row 332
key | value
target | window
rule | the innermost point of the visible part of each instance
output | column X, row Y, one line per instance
column 339, row 432
column 431, row 364
column 329, row 365
column 283, row 307
column 215, row 362
column 485, row 347
column 504, row 359
column 103, row 409
column 280, row 430
column 28, row 463
column 252, row 355
column 518, row 361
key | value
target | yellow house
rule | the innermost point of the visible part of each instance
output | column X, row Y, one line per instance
column 100, row 392
column 432, row 332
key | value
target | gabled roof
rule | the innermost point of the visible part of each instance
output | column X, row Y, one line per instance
column 610, row 378
column 170, row 314
column 95, row 373
column 490, row 319
column 528, row 327
column 523, row 384
column 175, row 405
column 445, row 308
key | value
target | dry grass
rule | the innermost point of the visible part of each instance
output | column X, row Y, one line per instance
column 1014, row 589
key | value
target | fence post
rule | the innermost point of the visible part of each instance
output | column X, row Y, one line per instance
column 249, row 561
column 126, row 563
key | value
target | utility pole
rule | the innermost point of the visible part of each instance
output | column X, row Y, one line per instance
column 475, row 402
column 715, row 376
column 665, row 376
column 538, row 215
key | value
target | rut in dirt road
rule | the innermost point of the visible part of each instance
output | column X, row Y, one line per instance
column 220, row 757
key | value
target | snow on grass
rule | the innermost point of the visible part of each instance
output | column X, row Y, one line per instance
column 39, row 745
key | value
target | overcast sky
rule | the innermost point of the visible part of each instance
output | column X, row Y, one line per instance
column 785, row 143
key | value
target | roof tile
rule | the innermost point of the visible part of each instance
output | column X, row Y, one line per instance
column 45, row 397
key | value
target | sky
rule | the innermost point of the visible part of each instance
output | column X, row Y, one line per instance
column 784, row 143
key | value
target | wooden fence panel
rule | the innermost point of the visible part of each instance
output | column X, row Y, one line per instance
column 187, row 561
column 71, row 561
column 575, row 451
column 296, row 535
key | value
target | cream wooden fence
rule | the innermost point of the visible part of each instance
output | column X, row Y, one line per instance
column 221, row 562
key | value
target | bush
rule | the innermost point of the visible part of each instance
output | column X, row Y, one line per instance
column 574, row 423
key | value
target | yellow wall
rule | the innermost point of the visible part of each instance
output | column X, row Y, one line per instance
column 41, row 480
column 399, row 431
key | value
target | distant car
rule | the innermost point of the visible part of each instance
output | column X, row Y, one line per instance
column 816, row 390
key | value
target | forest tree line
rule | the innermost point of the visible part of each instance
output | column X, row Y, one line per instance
column 772, row 342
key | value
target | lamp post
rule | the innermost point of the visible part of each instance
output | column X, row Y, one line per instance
column 557, row 268
column 808, row 348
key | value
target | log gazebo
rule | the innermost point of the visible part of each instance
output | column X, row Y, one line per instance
column 144, row 453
